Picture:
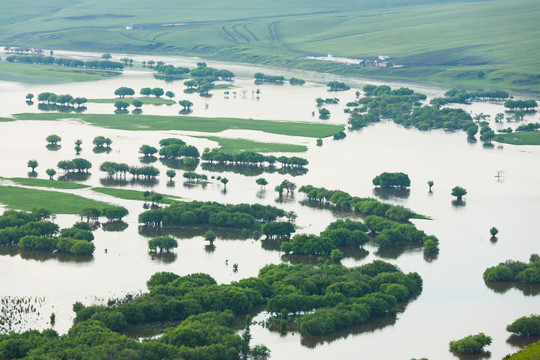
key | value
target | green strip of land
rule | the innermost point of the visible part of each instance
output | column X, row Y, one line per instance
column 191, row 123
column 520, row 138
column 127, row 194
column 53, row 184
column 57, row 202
column 5, row 119
column 55, row 72
column 144, row 100
column 233, row 146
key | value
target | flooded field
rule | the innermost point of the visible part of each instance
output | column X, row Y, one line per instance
column 454, row 302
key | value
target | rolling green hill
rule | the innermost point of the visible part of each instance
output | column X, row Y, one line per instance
column 485, row 43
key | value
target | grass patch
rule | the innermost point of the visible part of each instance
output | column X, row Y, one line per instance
column 520, row 138
column 55, row 72
column 5, row 119
column 192, row 123
column 145, row 100
column 53, row 184
column 127, row 194
column 223, row 87
column 57, row 202
column 233, row 146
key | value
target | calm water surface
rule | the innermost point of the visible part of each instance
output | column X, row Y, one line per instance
column 455, row 301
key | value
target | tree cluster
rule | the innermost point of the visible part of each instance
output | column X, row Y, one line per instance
column 456, row 96
column 251, row 158
column 113, row 168
column 528, row 127
column 172, row 148
column 78, row 164
column 472, row 344
column 31, row 231
column 211, row 214
column 64, row 100
column 524, row 105
column 365, row 206
column 296, row 81
column 528, row 326
column 49, row 60
column 272, row 79
column 337, row 86
column 515, row 271
column 280, row 229
column 192, row 176
column 391, row 180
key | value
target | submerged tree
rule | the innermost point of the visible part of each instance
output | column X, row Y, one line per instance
column 459, row 192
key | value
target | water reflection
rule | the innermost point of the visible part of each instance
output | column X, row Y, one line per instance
column 521, row 341
column 114, row 226
column 385, row 193
column 430, row 257
column 165, row 258
column 137, row 111
column 110, row 181
column 148, row 159
column 61, row 108
column 32, row 174
column 189, row 232
column 180, row 164
column 483, row 355
column 75, row 176
column 44, row 255
column 210, row 248
column 254, row 170
column 503, row 287
column 395, row 252
column 458, row 203
column 101, row 150
column 369, row 327
column 203, row 184
column 29, row 103
column 53, row 147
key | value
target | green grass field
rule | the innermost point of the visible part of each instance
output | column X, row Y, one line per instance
column 145, row 100
column 53, row 184
column 232, row 146
column 191, row 123
column 477, row 44
column 531, row 352
column 57, row 202
column 4, row 119
column 127, row 194
column 520, row 138
column 54, row 72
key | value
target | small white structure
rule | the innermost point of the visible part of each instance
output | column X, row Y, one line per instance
column 384, row 57
column 342, row 60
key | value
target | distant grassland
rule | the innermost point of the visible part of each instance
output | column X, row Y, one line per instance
column 145, row 100
column 191, row 123
column 233, row 146
column 55, row 72
column 57, row 202
column 479, row 44
column 520, row 138
column 127, row 194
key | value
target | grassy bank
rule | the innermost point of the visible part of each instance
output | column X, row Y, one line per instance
column 53, row 184
column 480, row 44
column 56, row 202
column 191, row 123
column 127, row 194
column 144, row 100
column 55, row 72
column 520, row 138
column 233, row 146
column 4, row 119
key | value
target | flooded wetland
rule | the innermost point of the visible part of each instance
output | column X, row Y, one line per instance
column 455, row 300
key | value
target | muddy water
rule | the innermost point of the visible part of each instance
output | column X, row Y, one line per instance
column 455, row 301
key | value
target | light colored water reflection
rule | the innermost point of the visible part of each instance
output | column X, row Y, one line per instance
column 455, row 301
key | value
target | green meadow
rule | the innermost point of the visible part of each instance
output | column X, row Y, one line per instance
column 520, row 138
column 145, row 100
column 191, row 123
column 57, row 202
column 127, row 194
column 476, row 44
column 53, row 184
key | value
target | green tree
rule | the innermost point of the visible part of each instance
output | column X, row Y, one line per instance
column 29, row 96
column 319, row 142
column 262, row 182
column 33, row 164
column 53, row 139
column 146, row 91
column 459, row 192
column 147, row 150
column 123, row 91
column 210, row 236
column 186, row 104
column 525, row 326
column 51, row 173
column 99, row 141
column 430, row 184
column 170, row 174
column 336, row 255
column 78, row 148
column 121, row 105
column 493, row 231
column 157, row 92
column 163, row 243
column 224, row 181
column 472, row 344
column 137, row 104
column 324, row 113
column 170, row 94
column 106, row 56
column 114, row 213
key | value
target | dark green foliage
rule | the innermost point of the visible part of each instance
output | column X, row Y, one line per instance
column 337, row 86
column 124, row 91
column 339, row 135
column 525, row 326
column 114, row 213
column 528, row 127
column 250, row 158
column 472, row 344
column 166, row 243
column 365, row 206
column 30, row 231
column 464, row 97
column 458, row 192
column 526, row 105
column 281, row 230
column 389, row 180
column 211, row 213
column 296, row 81
column 49, row 60
column 272, row 79
column 517, row 271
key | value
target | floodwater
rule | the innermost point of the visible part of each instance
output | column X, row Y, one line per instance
column 455, row 301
